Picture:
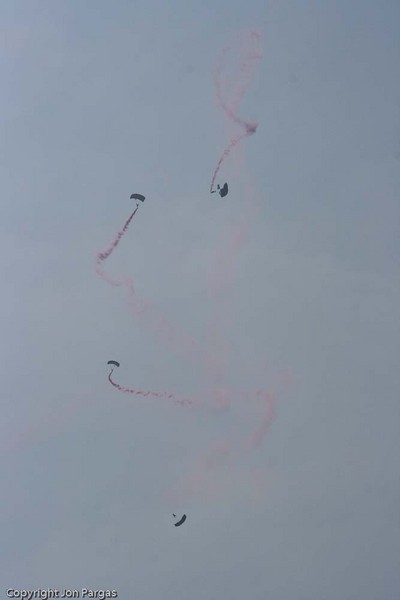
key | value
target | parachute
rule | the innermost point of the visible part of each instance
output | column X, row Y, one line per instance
column 181, row 521
column 221, row 190
column 138, row 197
column 113, row 362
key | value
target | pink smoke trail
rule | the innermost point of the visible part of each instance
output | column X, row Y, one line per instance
column 220, row 279
column 246, row 73
column 260, row 432
column 145, row 394
column 221, row 276
column 104, row 255
column 206, row 478
column 183, row 344
column 232, row 144
column 251, row 52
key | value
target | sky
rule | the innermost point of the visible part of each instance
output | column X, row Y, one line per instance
column 289, row 285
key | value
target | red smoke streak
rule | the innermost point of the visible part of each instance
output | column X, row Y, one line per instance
column 232, row 144
column 223, row 453
column 146, row 394
column 215, row 474
column 162, row 328
column 104, row 255
column 252, row 53
column 221, row 275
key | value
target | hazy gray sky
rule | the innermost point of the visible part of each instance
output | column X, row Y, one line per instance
column 102, row 99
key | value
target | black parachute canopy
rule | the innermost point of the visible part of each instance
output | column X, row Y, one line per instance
column 113, row 362
column 181, row 521
column 223, row 191
column 138, row 197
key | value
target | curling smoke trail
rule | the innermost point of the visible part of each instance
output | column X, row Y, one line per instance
column 252, row 54
column 221, row 274
column 179, row 341
column 216, row 473
column 221, row 278
column 224, row 453
column 146, row 394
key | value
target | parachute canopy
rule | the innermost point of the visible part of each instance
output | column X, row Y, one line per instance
column 223, row 190
column 113, row 362
column 181, row 521
column 137, row 197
